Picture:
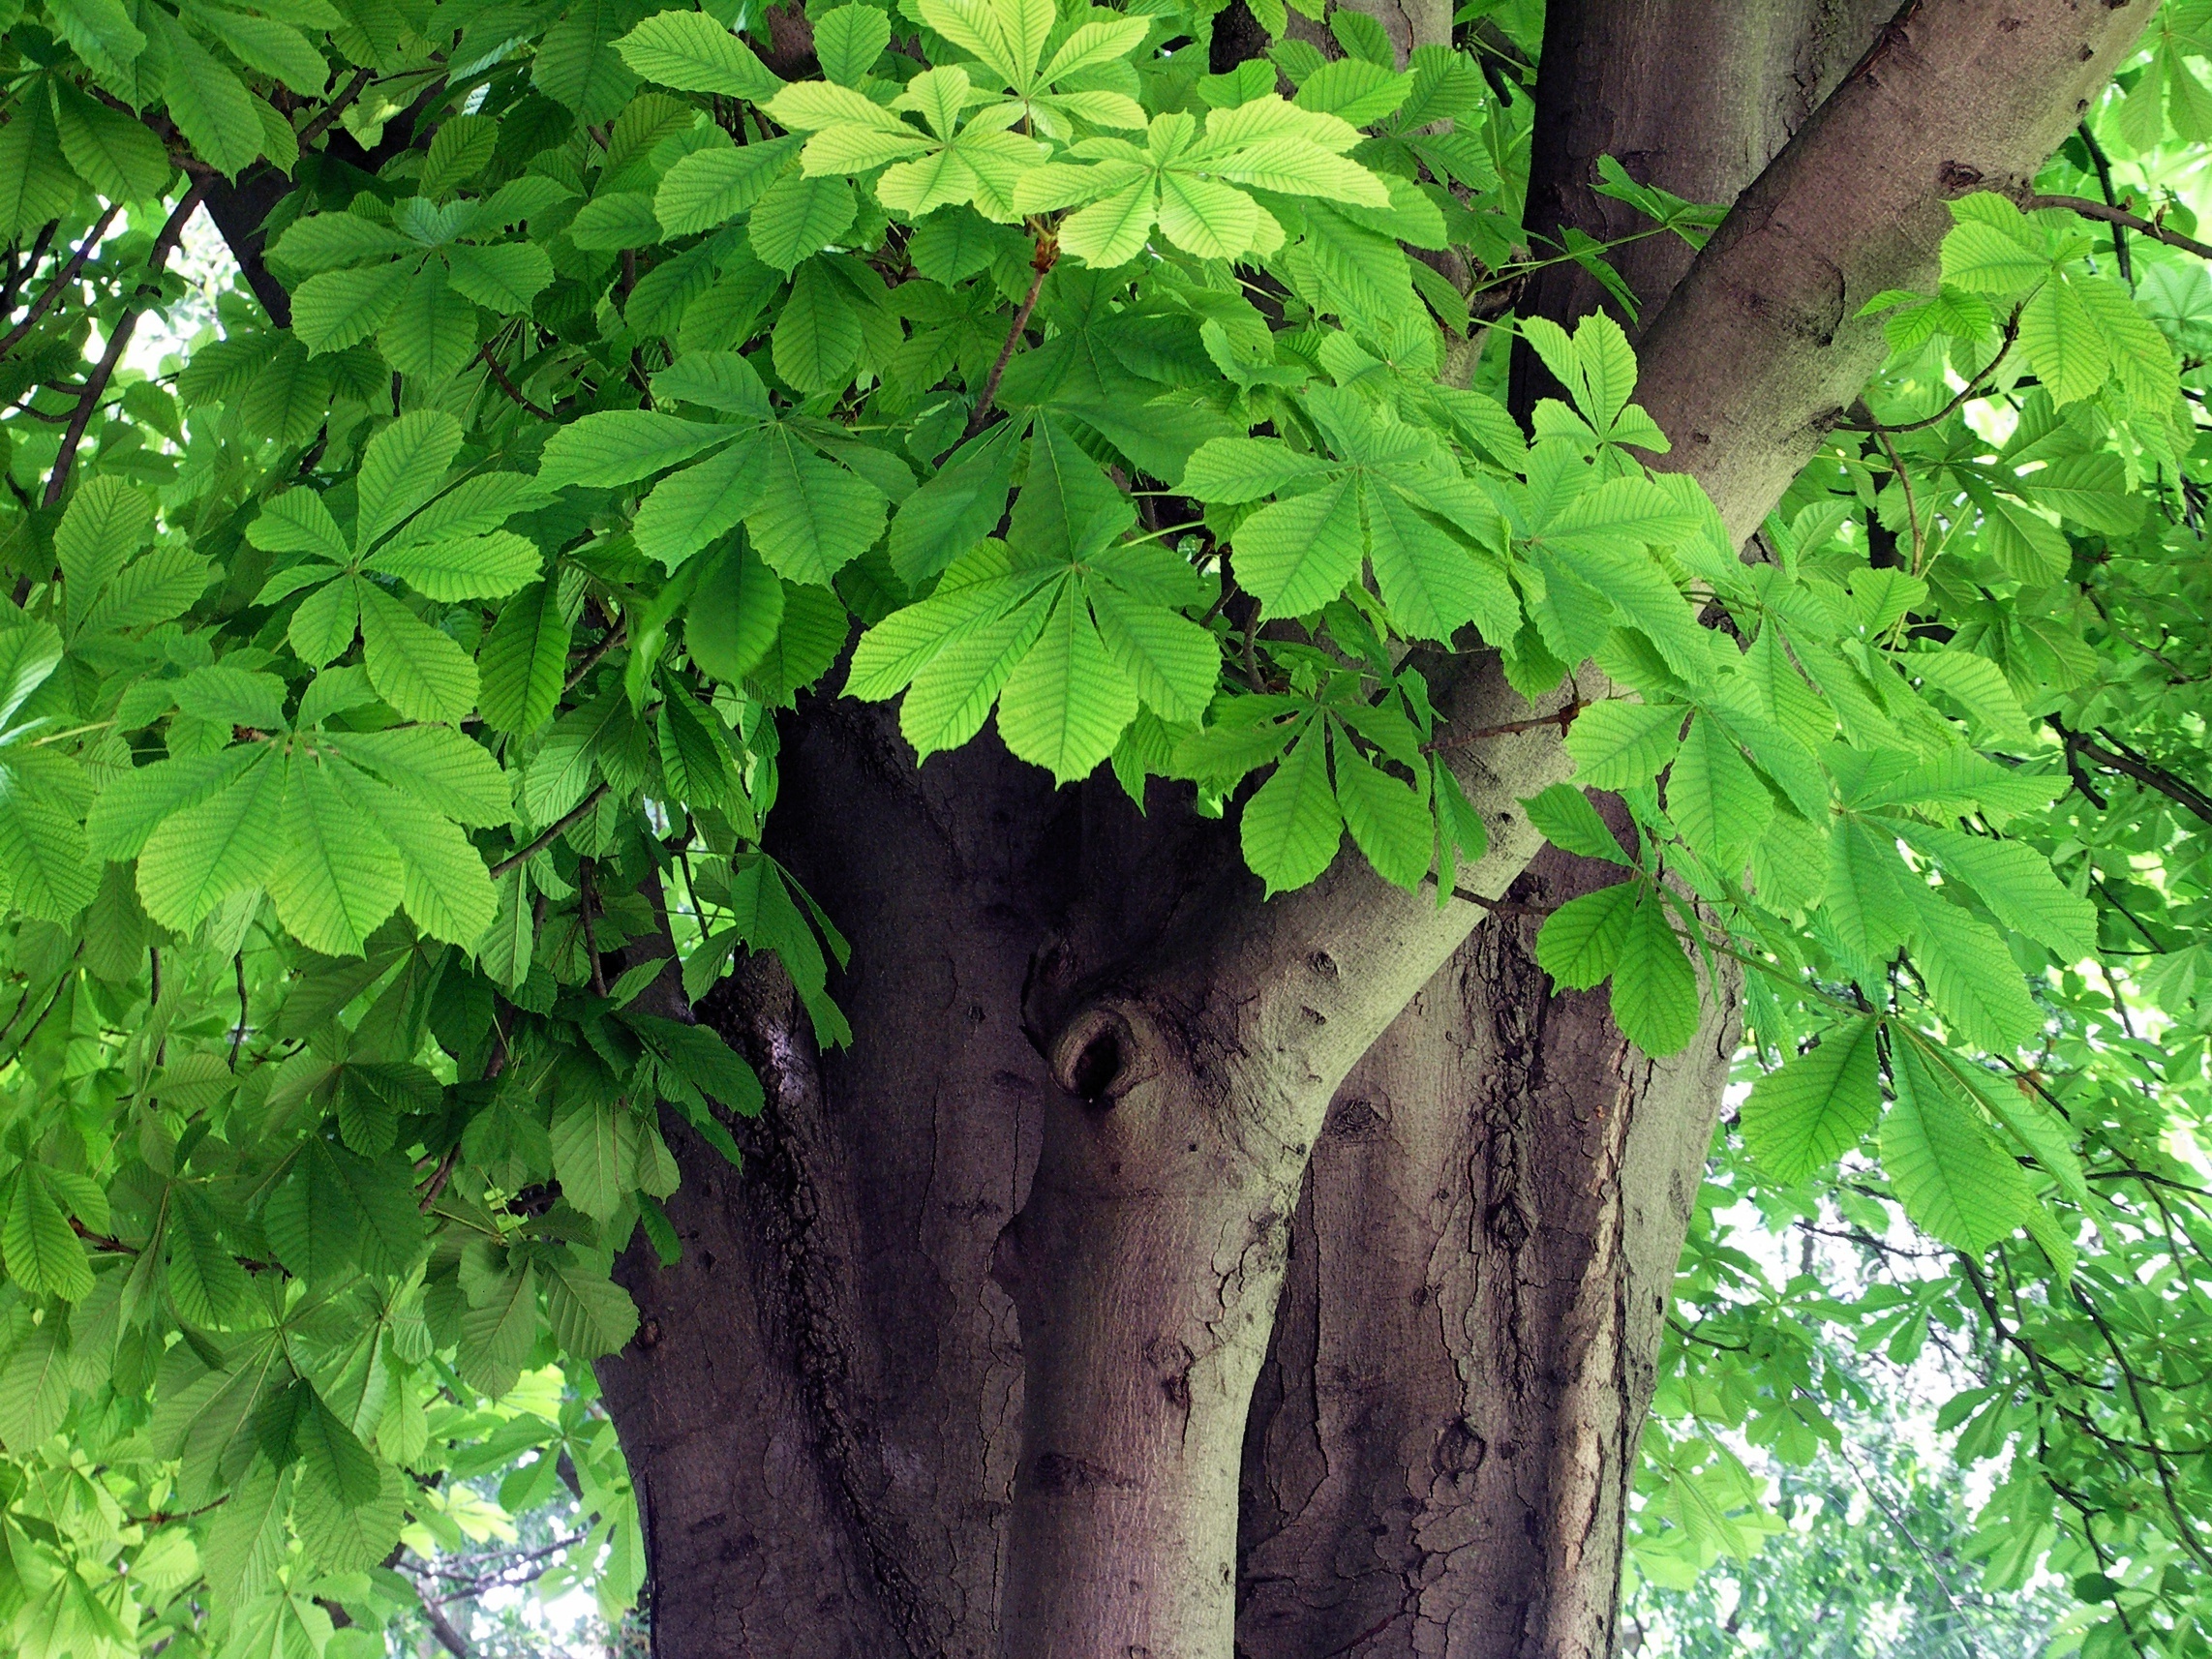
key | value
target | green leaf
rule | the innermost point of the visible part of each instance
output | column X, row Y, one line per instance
column 209, row 104
column 117, row 156
column 692, row 52
column 710, row 187
column 467, row 567
column 524, row 662
column 431, row 332
column 335, row 1210
column 333, row 1458
column 2062, row 342
column 594, row 1152
column 1388, row 820
column 1803, row 1116
column 43, row 859
column 623, row 445
column 1065, row 703
column 1296, row 555
column 1949, row 1170
column 577, row 64
column 1715, row 798
column 436, row 765
column 199, row 855
column 814, row 517
column 1655, row 987
column 818, row 338
column 339, row 309
column 1864, row 899
column 1580, row 942
column 1980, row 258
column 2015, row 881
column 1173, row 663
column 1566, row 817
column 691, row 509
column 1971, row 976
column 502, row 277
column 735, row 614
column 798, row 216
column 1292, row 825
column 43, row 1256
column 591, row 1314
column 417, row 669
column 338, row 876
column 1616, row 744
column 401, row 467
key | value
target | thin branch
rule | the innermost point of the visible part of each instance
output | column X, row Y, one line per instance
column 1563, row 718
column 96, row 384
column 1968, row 390
column 2135, row 221
column 606, row 643
column 561, row 825
column 1047, row 251
column 336, row 107
column 507, row 385
column 2131, row 764
column 1905, row 483
column 2102, row 165
column 61, row 282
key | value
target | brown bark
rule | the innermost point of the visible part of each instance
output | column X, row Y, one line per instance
column 1446, row 1431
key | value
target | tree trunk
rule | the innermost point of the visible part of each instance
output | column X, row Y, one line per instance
column 1159, row 1269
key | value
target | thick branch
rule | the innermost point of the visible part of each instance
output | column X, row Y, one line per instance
column 1760, row 348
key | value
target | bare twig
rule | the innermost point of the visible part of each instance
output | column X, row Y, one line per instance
column 2102, row 165
column 1968, row 390
column 606, row 643
column 336, row 107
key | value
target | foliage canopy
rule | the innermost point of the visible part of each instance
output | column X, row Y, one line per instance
column 388, row 718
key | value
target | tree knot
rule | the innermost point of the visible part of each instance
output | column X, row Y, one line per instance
column 1102, row 1054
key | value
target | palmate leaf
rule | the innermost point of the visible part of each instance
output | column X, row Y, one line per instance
column 594, row 1152
column 1616, row 744
column 1971, row 976
column 1580, row 942
column 419, row 671
column 814, row 517
column 337, row 876
column 692, row 52
column 1804, row 1115
column 43, row 1255
column 195, row 858
column 1292, row 824
column 43, row 864
column 1949, row 1170
column 1296, row 555
column 1715, row 798
column 1654, row 986
column 524, row 660
column 335, row 1210
column 1065, row 705
column 1389, row 821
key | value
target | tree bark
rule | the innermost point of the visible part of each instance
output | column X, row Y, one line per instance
column 1760, row 347
column 1136, row 1202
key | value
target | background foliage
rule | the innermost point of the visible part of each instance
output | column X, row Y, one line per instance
column 387, row 720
